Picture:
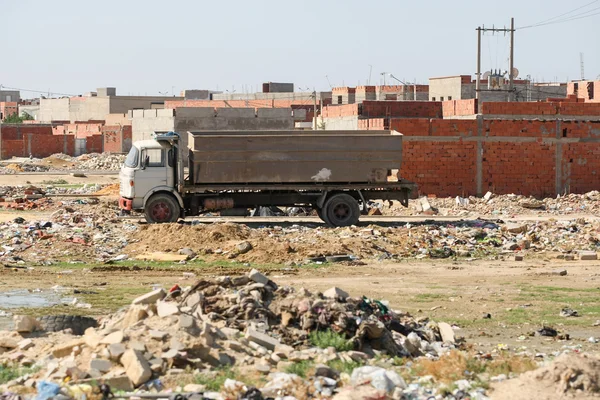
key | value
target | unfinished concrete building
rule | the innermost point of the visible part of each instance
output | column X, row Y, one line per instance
column 493, row 88
column 94, row 106
column 356, row 95
column 183, row 119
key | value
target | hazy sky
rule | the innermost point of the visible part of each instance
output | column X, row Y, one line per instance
column 146, row 47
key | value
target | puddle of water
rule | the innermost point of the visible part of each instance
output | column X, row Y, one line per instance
column 24, row 298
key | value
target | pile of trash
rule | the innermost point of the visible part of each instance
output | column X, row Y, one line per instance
column 499, row 205
column 308, row 244
column 68, row 235
column 294, row 342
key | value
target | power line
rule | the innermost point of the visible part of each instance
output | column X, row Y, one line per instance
column 562, row 15
column 568, row 19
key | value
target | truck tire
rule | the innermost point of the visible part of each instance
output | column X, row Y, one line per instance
column 162, row 208
column 56, row 323
column 321, row 213
column 341, row 210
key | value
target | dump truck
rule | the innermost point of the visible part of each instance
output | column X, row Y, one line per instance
column 336, row 173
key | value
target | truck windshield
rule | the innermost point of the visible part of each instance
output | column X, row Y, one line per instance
column 132, row 158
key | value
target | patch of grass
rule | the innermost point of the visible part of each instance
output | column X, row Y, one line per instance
column 329, row 338
column 343, row 366
column 300, row 368
column 214, row 383
column 55, row 182
column 425, row 297
column 456, row 365
column 8, row 373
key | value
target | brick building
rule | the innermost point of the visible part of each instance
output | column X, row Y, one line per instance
column 586, row 90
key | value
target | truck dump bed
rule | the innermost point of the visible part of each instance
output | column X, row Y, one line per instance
column 293, row 156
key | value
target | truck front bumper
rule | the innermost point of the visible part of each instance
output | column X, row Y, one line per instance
column 125, row 204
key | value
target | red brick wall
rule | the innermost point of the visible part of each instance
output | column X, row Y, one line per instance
column 8, row 108
column 517, row 156
column 520, row 168
column 567, row 107
column 112, row 138
column 408, row 109
column 17, row 131
column 580, row 167
column 454, row 108
column 41, row 145
column 93, row 144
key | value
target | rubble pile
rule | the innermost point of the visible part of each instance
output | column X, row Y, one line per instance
column 12, row 169
column 303, row 244
column 99, row 161
column 499, row 205
column 297, row 343
column 69, row 234
column 28, row 197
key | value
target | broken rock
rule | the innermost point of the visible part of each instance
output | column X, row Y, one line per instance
column 257, row 277
column 25, row 323
column 335, row 293
column 262, row 339
column 150, row 298
column 165, row 308
column 136, row 367
column 446, row 332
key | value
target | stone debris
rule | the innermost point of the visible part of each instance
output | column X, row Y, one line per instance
column 238, row 322
column 501, row 205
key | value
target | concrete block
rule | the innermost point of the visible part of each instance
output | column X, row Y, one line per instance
column 150, row 298
column 165, row 309
column 137, row 113
column 236, row 112
column 262, row 339
column 195, row 112
column 136, row 367
column 446, row 332
column 588, row 255
column 299, row 114
column 150, row 114
column 165, row 112
column 100, row 365
column 256, row 276
column 335, row 292
column 274, row 113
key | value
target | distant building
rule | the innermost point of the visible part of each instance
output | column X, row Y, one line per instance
column 94, row 106
column 587, row 90
column 493, row 88
column 356, row 95
column 10, row 96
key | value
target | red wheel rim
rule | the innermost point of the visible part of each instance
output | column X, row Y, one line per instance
column 161, row 212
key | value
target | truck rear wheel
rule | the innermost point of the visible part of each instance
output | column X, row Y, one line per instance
column 162, row 208
column 341, row 210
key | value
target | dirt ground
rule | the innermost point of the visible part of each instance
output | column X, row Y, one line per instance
column 495, row 303
column 520, row 297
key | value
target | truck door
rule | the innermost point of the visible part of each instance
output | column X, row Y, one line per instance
column 154, row 172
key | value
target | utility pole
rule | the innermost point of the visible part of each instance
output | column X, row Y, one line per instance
column 315, row 110
column 415, row 91
column 511, row 78
column 511, row 30
column 582, row 65
column 478, row 79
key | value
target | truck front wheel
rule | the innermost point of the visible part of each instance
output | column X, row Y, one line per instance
column 341, row 210
column 162, row 208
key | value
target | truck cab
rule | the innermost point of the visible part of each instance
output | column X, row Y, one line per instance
column 150, row 169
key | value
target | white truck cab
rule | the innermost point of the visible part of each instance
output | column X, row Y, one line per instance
column 150, row 168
